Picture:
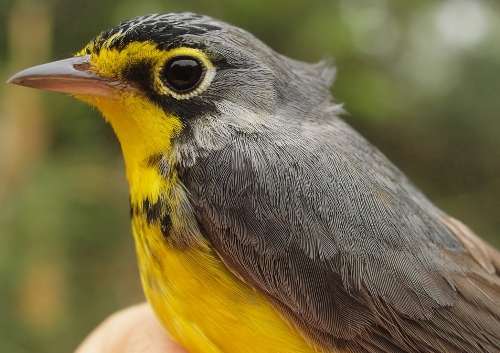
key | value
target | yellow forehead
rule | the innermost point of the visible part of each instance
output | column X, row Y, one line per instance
column 110, row 62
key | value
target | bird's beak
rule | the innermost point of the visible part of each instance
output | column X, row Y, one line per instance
column 71, row 75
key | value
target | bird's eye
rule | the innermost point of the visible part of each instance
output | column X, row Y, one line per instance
column 182, row 74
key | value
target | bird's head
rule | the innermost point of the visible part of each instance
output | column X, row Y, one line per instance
column 157, row 78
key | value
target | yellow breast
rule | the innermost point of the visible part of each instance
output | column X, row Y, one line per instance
column 203, row 305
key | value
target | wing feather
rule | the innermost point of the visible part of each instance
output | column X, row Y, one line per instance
column 343, row 245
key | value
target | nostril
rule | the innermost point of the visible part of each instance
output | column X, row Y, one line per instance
column 81, row 67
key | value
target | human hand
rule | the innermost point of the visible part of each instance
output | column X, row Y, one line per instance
column 132, row 330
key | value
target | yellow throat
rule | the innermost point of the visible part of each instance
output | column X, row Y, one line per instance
column 204, row 306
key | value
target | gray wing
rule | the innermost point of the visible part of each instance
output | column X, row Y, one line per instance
column 339, row 241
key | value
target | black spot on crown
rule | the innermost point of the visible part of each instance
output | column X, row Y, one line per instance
column 166, row 30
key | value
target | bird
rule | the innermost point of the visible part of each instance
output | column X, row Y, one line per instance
column 262, row 221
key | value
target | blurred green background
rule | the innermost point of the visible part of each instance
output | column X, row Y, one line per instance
column 421, row 80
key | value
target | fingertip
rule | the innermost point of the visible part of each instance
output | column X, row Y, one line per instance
column 134, row 329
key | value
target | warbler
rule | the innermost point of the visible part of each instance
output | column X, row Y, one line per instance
column 262, row 221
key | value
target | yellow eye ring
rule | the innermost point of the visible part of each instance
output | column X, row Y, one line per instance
column 183, row 73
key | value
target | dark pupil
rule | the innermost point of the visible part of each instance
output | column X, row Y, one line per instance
column 183, row 74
